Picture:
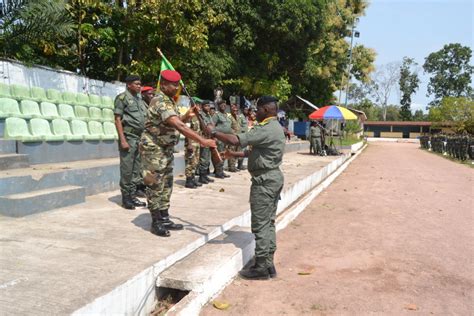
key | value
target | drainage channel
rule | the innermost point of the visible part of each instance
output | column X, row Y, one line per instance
column 166, row 299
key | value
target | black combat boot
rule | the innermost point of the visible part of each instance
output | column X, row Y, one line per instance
column 157, row 226
column 202, row 179
column 206, row 176
column 189, row 183
column 197, row 183
column 127, row 202
column 259, row 271
column 272, row 272
column 240, row 165
column 138, row 203
column 167, row 223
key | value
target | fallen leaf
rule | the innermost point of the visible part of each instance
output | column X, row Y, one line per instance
column 304, row 273
column 221, row 190
column 411, row 307
column 220, row 305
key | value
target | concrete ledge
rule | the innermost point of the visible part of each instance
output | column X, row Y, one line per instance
column 12, row 161
column 18, row 205
column 209, row 269
column 393, row 140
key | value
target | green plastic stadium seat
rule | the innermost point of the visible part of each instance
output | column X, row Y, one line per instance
column 38, row 94
column 83, row 99
column 20, row 92
column 95, row 114
column 30, row 109
column 61, row 127
column 110, row 130
column 9, row 108
column 108, row 115
column 82, row 113
column 54, row 96
column 40, row 128
column 70, row 98
column 49, row 110
column 66, row 111
column 17, row 128
column 5, row 90
column 107, row 102
column 95, row 129
column 79, row 128
column 94, row 100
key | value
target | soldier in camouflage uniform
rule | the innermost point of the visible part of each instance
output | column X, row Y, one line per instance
column 130, row 111
column 222, row 124
column 236, row 127
column 243, row 129
column 162, row 128
column 205, row 153
column 266, row 142
column 191, row 153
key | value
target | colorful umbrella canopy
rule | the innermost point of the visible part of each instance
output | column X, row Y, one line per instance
column 333, row 112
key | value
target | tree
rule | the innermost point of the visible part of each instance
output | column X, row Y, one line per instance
column 372, row 111
column 33, row 30
column 408, row 83
column 419, row 116
column 383, row 82
column 456, row 110
column 450, row 71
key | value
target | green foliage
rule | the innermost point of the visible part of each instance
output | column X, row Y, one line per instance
column 265, row 47
column 408, row 83
column 451, row 72
column 419, row 116
column 456, row 110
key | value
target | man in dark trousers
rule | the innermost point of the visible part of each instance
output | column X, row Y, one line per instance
column 266, row 142
column 130, row 113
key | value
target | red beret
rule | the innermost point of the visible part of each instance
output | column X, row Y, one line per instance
column 147, row 88
column 171, row 75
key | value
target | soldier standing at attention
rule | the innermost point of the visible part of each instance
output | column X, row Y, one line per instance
column 205, row 153
column 222, row 124
column 191, row 153
column 130, row 112
column 243, row 129
column 315, row 137
column 235, row 125
column 162, row 128
column 266, row 143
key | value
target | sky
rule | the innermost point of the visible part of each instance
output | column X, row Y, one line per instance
column 416, row 28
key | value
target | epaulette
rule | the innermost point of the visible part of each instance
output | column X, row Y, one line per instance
column 121, row 96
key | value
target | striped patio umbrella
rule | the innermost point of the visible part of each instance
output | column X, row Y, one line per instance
column 332, row 112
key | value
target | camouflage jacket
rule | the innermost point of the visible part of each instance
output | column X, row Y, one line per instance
column 235, row 124
column 156, row 130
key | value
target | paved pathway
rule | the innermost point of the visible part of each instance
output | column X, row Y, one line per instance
column 392, row 235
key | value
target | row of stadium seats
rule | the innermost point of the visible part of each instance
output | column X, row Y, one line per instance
column 31, row 109
column 39, row 129
column 20, row 92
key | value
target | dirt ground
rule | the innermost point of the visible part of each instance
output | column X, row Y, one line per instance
column 392, row 235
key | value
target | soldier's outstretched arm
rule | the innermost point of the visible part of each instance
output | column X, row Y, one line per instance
column 175, row 122
column 230, row 139
column 236, row 154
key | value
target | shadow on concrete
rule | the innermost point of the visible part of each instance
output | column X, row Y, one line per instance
column 232, row 237
column 117, row 199
column 143, row 221
column 180, row 182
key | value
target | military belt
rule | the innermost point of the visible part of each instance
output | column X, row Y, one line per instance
column 134, row 131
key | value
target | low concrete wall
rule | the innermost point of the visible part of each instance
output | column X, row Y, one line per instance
column 14, row 72
column 52, row 152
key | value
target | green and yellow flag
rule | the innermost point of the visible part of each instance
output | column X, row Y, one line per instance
column 166, row 65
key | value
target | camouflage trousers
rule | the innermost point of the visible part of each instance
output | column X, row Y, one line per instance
column 232, row 161
column 191, row 158
column 157, row 164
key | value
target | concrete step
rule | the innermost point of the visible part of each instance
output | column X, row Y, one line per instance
column 13, row 161
column 22, row 204
column 208, row 270
column 7, row 146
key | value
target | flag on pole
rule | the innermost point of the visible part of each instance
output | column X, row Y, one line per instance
column 166, row 65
